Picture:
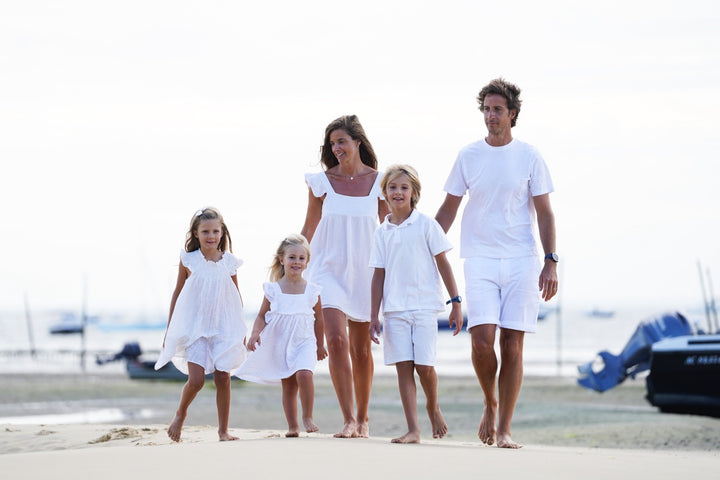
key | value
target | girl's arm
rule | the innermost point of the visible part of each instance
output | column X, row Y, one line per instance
column 376, row 295
column 183, row 274
column 234, row 279
column 312, row 217
column 455, row 319
column 258, row 326
column 320, row 331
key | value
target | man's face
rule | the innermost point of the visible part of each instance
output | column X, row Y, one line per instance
column 497, row 116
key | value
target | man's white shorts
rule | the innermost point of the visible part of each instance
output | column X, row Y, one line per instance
column 502, row 291
column 410, row 336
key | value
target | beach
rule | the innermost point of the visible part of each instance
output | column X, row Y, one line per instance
column 108, row 426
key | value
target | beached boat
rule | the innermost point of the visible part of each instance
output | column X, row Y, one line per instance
column 139, row 367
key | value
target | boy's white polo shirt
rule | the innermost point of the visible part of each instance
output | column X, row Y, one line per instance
column 407, row 253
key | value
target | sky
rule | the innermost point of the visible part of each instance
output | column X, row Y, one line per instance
column 118, row 120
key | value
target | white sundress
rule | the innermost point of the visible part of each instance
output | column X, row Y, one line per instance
column 209, row 307
column 340, row 248
column 287, row 343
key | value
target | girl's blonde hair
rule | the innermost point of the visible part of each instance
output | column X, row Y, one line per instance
column 191, row 241
column 277, row 271
column 396, row 170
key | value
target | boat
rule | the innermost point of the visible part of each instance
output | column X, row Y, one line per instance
column 685, row 375
column 598, row 313
column 139, row 367
column 71, row 323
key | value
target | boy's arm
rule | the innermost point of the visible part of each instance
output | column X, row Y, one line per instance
column 455, row 319
column 376, row 295
column 320, row 331
column 259, row 325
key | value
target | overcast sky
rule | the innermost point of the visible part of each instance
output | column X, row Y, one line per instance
column 118, row 120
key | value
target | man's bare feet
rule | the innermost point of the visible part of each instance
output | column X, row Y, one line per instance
column 293, row 432
column 410, row 437
column 363, row 430
column 504, row 441
column 348, row 431
column 309, row 425
column 175, row 429
column 437, row 420
column 486, row 432
column 226, row 437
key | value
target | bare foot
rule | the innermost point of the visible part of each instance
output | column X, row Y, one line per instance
column 486, row 432
column 504, row 441
column 293, row 433
column 226, row 437
column 410, row 437
column 175, row 429
column 437, row 421
column 348, row 431
column 310, row 425
column 363, row 430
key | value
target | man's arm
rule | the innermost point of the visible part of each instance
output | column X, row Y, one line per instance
column 447, row 212
column 548, row 281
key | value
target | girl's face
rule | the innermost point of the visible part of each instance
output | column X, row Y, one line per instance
column 294, row 260
column 343, row 146
column 399, row 193
column 209, row 233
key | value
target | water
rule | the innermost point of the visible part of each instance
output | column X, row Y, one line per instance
column 559, row 346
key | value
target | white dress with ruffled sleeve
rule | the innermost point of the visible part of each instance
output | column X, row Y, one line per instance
column 340, row 248
column 287, row 343
column 208, row 306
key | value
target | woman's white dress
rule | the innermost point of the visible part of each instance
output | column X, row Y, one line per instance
column 340, row 248
column 287, row 343
column 208, row 307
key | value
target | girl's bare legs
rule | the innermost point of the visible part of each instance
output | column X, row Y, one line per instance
column 222, row 399
column 307, row 398
column 408, row 396
column 429, row 382
column 195, row 382
column 362, row 369
column 340, row 370
column 289, row 402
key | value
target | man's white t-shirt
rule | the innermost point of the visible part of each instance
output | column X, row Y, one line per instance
column 407, row 253
column 499, row 217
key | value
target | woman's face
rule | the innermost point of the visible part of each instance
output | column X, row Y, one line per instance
column 343, row 146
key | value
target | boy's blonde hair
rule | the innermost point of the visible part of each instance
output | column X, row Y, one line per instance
column 277, row 271
column 395, row 171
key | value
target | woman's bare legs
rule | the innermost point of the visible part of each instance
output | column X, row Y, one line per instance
column 341, row 371
column 222, row 399
column 362, row 369
column 195, row 382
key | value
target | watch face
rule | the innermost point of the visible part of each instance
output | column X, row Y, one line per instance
column 554, row 257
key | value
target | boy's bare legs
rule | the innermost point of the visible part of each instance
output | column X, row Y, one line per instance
column 195, row 382
column 289, row 402
column 509, row 383
column 307, row 397
column 485, row 365
column 429, row 382
column 363, row 369
column 340, row 369
column 222, row 399
column 408, row 395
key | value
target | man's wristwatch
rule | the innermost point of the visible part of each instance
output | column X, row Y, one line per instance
column 552, row 256
column 457, row 299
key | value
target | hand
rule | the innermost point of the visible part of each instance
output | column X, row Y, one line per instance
column 548, row 282
column 253, row 342
column 455, row 319
column 375, row 330
column 321, row 352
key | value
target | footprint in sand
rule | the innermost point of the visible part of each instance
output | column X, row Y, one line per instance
column 117, row 434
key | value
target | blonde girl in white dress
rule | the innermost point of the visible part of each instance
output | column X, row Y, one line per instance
column 206, row 331
column 345, row 206
column 287, row 337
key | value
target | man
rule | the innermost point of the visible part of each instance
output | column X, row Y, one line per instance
column 508, row 185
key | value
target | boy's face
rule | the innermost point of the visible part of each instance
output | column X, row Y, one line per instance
column 399, row 193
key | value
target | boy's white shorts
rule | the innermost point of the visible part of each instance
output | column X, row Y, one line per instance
column 410, row 336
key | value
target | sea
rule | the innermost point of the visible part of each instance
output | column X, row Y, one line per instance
column 565, row 339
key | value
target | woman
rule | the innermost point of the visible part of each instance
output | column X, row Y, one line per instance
column 344, row 205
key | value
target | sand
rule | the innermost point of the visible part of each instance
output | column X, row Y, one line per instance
column 568, row 432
